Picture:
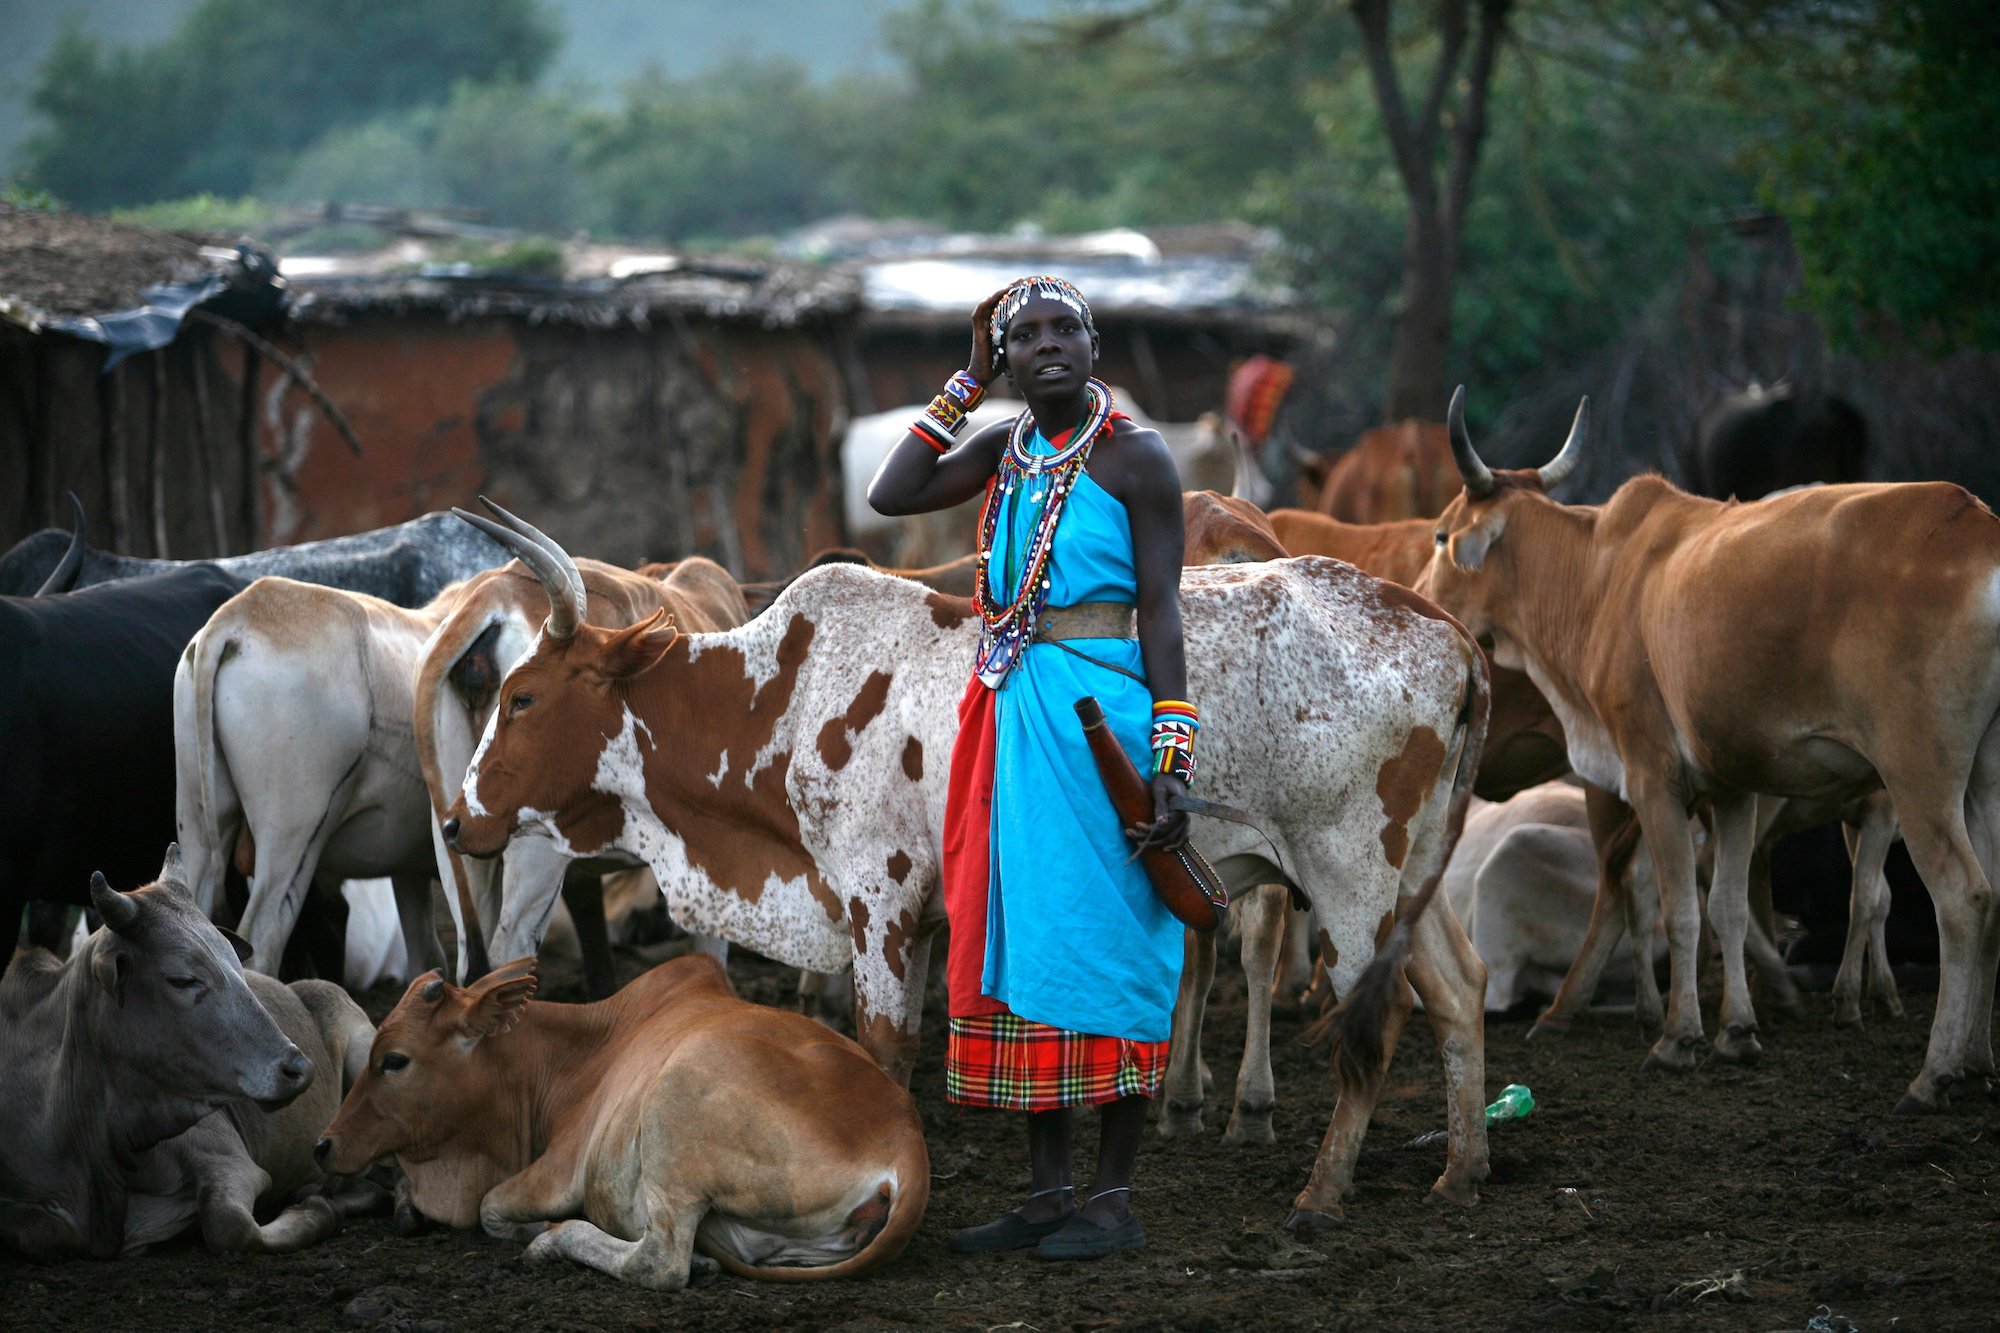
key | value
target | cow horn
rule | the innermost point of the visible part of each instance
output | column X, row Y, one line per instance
column 64, row 573
column 1478, row 477
column 1558, row 468
column 119, row 911
column 550, row 563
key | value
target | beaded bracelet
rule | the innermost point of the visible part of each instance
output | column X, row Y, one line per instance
column 1175, row 721
column 941, row 422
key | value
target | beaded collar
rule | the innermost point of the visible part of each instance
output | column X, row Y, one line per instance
column 1007, row 630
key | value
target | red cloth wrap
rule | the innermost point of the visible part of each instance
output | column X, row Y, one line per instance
column 968, row 853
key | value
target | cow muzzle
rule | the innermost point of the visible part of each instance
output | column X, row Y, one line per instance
column 292, row 1075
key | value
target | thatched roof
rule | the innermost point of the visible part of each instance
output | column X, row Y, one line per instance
column 55, row 265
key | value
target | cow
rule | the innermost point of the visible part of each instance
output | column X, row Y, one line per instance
column 670, row 1116
column 1392, row 472
column 87, row 770
column 1523, row 879
column 1820, row 644
column 408, row 564
column 294, row 756
column 786, row 782
column 152, row 1084
column 456, row 679
column 1758, row 440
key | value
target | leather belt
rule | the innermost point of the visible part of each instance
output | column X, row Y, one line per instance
column 1088, row 620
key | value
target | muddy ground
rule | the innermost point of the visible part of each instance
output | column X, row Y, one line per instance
column 1780, row 1197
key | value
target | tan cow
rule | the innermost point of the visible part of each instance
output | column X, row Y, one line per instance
column 672, row 1115
column 1817, row 644
column 1392, row 472
column 456, row 680
column 786, row 781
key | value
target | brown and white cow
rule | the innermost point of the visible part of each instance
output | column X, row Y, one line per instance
column 786, row 781
column 457, row 678
column 1818, row 644
column 1393, row 472
column 671, row 1115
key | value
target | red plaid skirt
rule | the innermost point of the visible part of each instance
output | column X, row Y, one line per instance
column 1017, row 1064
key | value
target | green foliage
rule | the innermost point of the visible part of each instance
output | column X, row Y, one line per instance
column 201, row 212
column 19, row 194
column 245, row 82
column 1893, row 192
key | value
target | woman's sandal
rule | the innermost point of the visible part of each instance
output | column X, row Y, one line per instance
column 1011, row 1231
column 1080, row 1238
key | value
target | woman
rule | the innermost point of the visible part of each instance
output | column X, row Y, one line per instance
column 1063, row 961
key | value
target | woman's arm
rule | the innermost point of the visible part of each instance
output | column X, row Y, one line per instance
column 915, row 478
column 1150, row 488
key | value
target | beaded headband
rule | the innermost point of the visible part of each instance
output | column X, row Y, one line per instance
column 1024, row 290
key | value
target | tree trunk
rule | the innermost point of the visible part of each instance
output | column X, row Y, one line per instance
column 1422, row 345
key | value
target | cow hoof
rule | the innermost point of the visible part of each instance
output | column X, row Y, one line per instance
column 1182, row 1120
column 1305, row 1222
column 1548, row 1027
column 1848, row 1019
column 1909, row 1105
column 1250, row 1125
column 542, row 1249
column 1457, row 1193
column 1738, row 1046
column 410, row 1222
column 1675, row 1055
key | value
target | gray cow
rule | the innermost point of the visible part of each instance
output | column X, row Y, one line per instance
column 152, row 1083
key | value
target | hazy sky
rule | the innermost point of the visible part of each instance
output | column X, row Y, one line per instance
column 607, row 41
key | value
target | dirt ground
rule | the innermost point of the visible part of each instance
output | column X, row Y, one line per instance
column 1780, row 1197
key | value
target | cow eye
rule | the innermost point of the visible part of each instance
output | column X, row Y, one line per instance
column 520, row 702
column 188, row 984
column 393, row 1061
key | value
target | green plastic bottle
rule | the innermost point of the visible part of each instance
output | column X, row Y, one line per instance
column 1515, row 1101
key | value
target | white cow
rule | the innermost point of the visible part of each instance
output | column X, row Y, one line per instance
column 293, row 750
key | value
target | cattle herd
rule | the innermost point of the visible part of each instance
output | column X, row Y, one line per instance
column 1570, row 723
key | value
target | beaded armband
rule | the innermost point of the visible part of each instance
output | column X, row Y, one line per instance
column 1175, row 721
column 941, row 422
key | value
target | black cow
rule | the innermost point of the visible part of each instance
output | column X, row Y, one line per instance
column 408, row 564
column 87, row 730
column 1760, row 440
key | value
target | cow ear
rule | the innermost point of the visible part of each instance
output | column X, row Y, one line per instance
column 110, row 967
column 637, row 649
column 238, row 943
column 500, row 999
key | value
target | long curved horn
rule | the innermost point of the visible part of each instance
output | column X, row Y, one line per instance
column 64, row 573
column 118, row 910
column 550, row 563
column 1478, row 477
column 1556, row 469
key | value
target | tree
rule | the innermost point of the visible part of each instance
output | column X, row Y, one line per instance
column 1449, row 124
column 245, row 83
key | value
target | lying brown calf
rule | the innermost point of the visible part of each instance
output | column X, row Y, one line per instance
column 670, row 1115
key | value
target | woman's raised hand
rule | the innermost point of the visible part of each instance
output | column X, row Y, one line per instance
column 983, row 367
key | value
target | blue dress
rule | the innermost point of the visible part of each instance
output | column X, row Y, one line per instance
column 1075, row 935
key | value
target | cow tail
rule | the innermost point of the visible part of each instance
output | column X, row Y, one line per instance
column 909, row 1190
column 440, row 656
column 206, row 654
column 1359, row 1021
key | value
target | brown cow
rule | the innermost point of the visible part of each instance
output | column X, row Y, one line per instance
column 1390, row 473
column 457, row 677
column 1817, row 644
column 672, row 1115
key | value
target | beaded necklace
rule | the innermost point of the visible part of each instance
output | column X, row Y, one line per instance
column 1007, row 630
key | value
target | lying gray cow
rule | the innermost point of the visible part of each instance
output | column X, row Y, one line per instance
column 152, row 1082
